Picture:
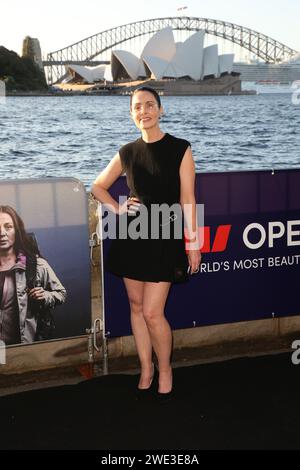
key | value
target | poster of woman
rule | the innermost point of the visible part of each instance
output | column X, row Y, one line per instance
column 40, row 296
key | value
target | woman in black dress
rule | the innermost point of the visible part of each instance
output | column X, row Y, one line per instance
column 159, row 170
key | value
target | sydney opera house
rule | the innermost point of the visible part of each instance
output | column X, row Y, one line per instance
column 168, row 64
column 162, row 58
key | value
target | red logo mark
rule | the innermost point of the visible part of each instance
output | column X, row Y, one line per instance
column 219, row 243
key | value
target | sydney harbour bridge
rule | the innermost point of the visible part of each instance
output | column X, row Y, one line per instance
column 92, row 50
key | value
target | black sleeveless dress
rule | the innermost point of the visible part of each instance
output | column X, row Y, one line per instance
column 152, row 174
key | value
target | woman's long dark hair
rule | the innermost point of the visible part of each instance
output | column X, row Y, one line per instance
column 24, row 243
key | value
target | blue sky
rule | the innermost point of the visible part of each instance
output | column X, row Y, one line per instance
column 60, row 23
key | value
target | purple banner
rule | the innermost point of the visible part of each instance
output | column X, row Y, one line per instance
column 250, row 258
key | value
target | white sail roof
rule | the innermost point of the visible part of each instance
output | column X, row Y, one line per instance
column 157, row 66
column 161, row 45
column 210, row 61
column 89, row 74
column 226, row 63
column 173, row 71
column 178, row 45
column 189, row 55
column 126, row 61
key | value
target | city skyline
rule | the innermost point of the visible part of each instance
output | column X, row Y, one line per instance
column 68, row 22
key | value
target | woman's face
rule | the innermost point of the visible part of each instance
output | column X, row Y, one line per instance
column 145, row 110
column 7, row 232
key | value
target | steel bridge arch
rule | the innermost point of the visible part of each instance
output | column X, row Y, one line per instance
column 264, row 47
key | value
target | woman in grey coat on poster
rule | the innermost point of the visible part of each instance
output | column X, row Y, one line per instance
column 29, row 288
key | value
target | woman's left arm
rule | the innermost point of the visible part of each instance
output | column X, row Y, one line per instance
column 188, row 203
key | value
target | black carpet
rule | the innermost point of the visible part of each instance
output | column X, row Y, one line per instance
column 239, row 404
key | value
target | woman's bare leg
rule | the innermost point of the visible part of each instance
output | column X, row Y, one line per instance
column 154, row 299
column 135, row 291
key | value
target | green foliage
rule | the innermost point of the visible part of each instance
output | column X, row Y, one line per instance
column 20, row 73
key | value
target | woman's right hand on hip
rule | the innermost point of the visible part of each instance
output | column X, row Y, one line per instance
column 131, row 206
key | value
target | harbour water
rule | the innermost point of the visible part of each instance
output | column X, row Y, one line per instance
column 78, row 135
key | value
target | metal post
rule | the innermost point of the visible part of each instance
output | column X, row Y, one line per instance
column 104, row 338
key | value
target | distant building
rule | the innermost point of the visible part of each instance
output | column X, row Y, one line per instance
column 162, row 57
column 32, row 50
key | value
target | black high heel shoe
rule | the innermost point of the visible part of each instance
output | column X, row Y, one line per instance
column 145, row 392
column 164, row 397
